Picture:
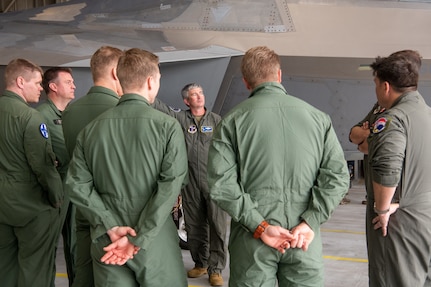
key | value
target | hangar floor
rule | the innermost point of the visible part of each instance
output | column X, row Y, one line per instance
column 344, row 248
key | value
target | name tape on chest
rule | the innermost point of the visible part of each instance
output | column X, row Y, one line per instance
column 204, row 129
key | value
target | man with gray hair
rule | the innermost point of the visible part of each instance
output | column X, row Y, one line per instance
column 206, row 223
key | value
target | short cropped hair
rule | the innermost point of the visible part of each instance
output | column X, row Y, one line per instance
column 52, row 74
column 187, row 88
column 400, row 69
column 103, row 59
column 20, row 67
column 260, row 64
column 135, row 66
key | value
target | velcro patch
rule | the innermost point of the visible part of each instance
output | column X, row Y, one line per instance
column 43, row 130
column 380, row 125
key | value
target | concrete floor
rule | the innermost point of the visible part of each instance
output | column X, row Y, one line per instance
column 344, row 248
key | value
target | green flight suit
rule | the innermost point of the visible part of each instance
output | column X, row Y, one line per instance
column 75, row 117
column 206, row 223
column 274, row 157
column 127, row 170
column 31, row 194
column 53, row 120
column 399, row 154
column 374, row 239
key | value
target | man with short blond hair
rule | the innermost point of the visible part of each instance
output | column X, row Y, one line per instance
column 31, row 190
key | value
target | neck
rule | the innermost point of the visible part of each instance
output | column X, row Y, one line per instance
column 59, row 103
column 198, row 111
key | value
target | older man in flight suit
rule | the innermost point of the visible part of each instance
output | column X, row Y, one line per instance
column 205, row 222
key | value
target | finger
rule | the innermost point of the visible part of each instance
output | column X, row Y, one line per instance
column 300, row 241
column 106, row 256
column 305, row 245
column 131, row 232
column 281, row 250
column 294, row 242
column 111, row 246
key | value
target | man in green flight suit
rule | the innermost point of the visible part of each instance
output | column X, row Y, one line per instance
column 60, row 90
column 206, row 223
column 276, row 166
column 101, row 97
column 31, row 190
column 399, row 157
column 127, row 170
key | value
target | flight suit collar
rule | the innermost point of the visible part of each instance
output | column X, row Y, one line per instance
column 103, row 90
column 267, row 85
column 406, row 96
column 127, row 98
column 11, row 94
column 54, row 107
column 191, row 116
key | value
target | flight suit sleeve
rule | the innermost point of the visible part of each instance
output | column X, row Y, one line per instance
column 164, row 108
column 80, row 186
column 367, row 118
column 224, row 184
column 41, row 158
column 332, row 182
column 387, row 148
column 173, row 171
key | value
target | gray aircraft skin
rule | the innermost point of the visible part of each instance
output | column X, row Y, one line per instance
column 68, row 33
column 325, row 45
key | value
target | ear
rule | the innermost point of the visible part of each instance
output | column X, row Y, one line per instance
column 279, row 76
column 20, row 82
column 114, row 73
column 387, row 87
column 53, row 87
column 247, row 85
column 149, row 82
column 186, row 102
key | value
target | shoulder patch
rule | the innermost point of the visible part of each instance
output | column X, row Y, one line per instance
column 380, row 125
column 43, row 130
column 177, row 110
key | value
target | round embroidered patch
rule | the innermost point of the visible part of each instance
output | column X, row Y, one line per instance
column 43, row 130
column 192, row 129
column 379, row 125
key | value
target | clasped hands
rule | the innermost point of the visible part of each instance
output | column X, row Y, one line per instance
column 121, row 249
column 281, row 238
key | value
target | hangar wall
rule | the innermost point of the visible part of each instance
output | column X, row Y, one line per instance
column 346, row 97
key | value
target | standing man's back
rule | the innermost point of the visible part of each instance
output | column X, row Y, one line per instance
column 276, row 166
column 127, row 170
column 101, row 97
